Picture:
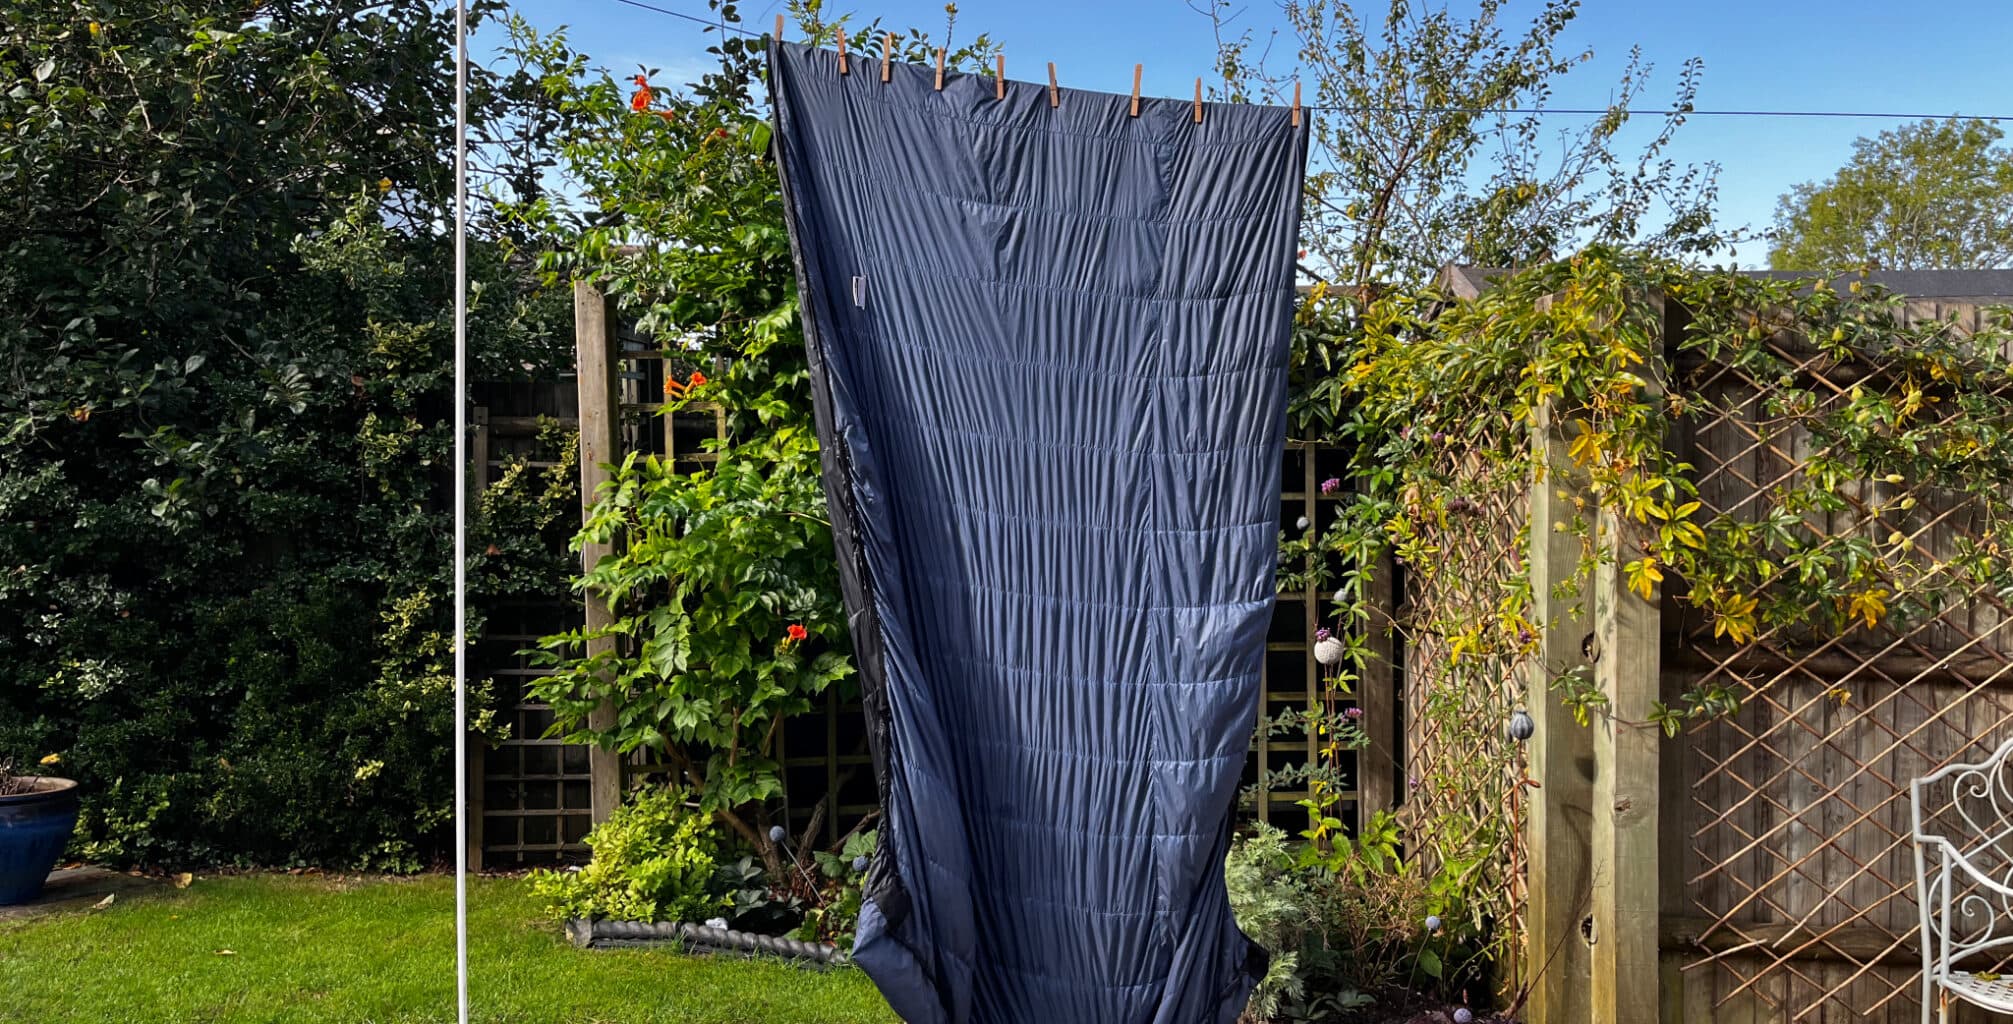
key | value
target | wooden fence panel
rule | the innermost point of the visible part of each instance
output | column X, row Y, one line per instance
column 1793, row 852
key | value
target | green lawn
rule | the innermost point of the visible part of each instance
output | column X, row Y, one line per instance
column 378, row 951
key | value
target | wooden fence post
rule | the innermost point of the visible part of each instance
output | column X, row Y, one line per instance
column 1558, row 963
column 1627, row 764
column 1628, row 639
column 600, row 436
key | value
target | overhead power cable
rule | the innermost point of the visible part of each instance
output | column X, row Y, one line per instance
column 1517, row 111
column 695, row 19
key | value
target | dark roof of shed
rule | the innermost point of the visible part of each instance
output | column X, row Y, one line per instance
column 1980, row 287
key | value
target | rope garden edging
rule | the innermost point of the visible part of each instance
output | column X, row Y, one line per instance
column 699, row 938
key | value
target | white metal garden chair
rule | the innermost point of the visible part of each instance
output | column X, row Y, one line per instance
column 1963, row 821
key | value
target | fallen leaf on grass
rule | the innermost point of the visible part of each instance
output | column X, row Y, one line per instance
column 106, row 902
column 227, row 952
column 182, row 880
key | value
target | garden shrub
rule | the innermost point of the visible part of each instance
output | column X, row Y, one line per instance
column 1347, row 920
column 655, row 859
column 1272, row 905
column 661, row 857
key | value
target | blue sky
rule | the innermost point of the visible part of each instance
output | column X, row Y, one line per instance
column 1878, row 55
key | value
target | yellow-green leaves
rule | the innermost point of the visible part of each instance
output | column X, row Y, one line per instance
column 1734, row 619
column 1868, row 606
column 1643, row 575
column 1586, row 445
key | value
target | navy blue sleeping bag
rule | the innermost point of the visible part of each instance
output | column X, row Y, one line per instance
column 1049, row 350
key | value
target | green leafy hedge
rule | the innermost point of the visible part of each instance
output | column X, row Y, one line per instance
column 224, row 461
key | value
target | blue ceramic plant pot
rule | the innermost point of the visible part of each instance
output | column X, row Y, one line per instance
column 34, row 828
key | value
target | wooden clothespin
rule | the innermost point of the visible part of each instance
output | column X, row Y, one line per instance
column 1136, row 70
column 940, row 69
column 1296, row 104
column 888, row 58
column 1198, row 101
column 842, row 51
column 1054, row 94
column 779, row 28
column 999, row 80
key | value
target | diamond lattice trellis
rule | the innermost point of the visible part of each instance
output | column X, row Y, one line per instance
column 1463, row 773
column 1794, row 851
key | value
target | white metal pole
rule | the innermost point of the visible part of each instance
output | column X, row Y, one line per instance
column 461, row 470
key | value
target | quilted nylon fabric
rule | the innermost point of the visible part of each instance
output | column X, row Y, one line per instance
column 1049, row 350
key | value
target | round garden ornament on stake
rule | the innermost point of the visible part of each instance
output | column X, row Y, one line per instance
column 1328, row 650
column 1522, row 727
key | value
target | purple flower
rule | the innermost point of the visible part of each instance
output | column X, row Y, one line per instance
column 1331, row 485
column 1322, row 633
column 1352, row 713
column 1412, row 781
column 1438, row 437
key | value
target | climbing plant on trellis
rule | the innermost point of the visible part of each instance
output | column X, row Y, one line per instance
column 1804, row 484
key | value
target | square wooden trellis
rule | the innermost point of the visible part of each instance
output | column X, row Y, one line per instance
column 824, row 756
column 529, row 794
